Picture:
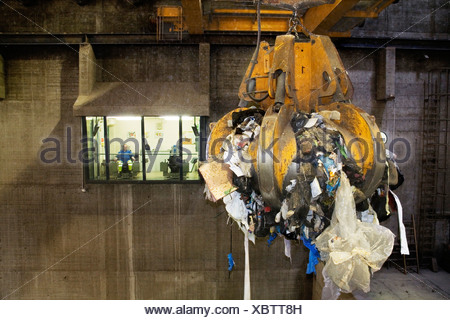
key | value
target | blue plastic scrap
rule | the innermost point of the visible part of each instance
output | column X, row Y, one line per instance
column 272, row 237
column 327, row 163
column 314, row 255
column 230, row 262
column 331, row 188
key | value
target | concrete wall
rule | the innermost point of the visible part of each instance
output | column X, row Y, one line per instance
column 99, row 16
column 228, row 66
column 147, row 63
column 114, row 241
column 409, row 19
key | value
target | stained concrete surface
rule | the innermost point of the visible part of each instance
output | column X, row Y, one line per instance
column 392, row 284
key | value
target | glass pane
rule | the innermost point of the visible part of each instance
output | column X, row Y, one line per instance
column 161, row 151
column 96, row 160
column 191, row 147
column 125, row 149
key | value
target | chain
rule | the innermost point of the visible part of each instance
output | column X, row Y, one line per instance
column 294, row 22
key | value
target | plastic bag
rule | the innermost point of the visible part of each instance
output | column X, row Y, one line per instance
column 330, row 291
column 349, row 246
column 238, row 212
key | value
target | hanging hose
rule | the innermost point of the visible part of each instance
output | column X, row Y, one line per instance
column 280, row 91
column 251, row 84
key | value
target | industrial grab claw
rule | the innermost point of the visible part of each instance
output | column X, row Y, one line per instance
column 301, row 75
column 298, row 159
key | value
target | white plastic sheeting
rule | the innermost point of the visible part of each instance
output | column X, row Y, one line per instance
column 403, row 241
column 351, row 248
column 287, row 249
column 247, row 287
column 330, row 291
column 238, row 212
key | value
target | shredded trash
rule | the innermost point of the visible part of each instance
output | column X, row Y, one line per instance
column 318, row 206
column 218, row 178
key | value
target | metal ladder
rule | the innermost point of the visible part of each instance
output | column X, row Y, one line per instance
column 434, row 197
column 411, row 261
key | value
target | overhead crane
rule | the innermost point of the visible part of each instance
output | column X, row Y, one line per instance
column 335, row 18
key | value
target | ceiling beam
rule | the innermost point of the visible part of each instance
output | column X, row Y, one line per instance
column 247, row 23
column 264, row 12
column 321, row 19
column 8, row 41
column 380, row 5
column 193, row 15
column 361, row 14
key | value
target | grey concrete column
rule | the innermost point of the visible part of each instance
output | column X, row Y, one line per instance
column 386, row 74
column 87, row 69
column 204, row 68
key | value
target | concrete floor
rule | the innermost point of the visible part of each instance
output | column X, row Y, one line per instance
column 392, row 284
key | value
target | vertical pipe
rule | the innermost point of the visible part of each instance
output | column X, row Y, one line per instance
column 447, row 132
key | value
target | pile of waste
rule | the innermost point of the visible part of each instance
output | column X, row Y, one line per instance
column 318, row 206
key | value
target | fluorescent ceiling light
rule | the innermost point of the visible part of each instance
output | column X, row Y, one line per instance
column 171, row 118
column 126, row 118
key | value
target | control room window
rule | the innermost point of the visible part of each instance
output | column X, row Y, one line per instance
column 125, row 141
column 96, row 147
column 170, row 139
column 127, row 149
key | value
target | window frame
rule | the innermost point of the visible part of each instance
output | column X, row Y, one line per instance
column 108, row 180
